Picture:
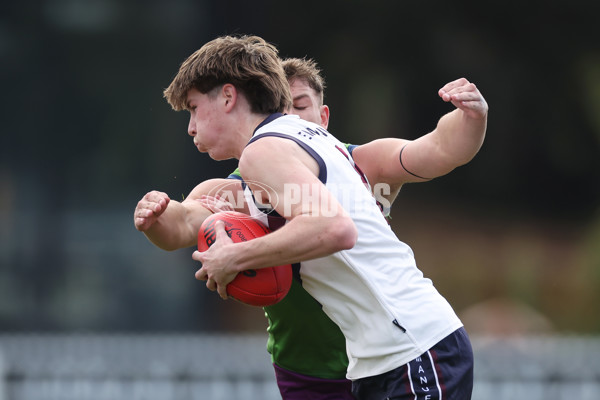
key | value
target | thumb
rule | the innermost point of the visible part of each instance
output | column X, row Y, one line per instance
column 198, row 256
column 221, row 232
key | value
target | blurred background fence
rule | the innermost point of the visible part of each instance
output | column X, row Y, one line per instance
column 135, row 367
column 233, row 366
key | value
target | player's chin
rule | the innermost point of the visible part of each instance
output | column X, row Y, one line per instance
column 217, row 156
column 202, row 150
column 212, row 152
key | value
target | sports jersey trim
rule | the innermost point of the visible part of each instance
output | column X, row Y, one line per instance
column 267, row 120
column 307, row 148
column 350, row 147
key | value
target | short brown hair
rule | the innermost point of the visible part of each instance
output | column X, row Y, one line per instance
column 247, row 62
column 307, row 70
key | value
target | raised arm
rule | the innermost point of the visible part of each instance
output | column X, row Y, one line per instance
column 456, row 139
column 173, row 225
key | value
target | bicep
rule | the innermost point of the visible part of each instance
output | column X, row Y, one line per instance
column 398, row 161
column 424, row 158
column 212, row 187
column 287, row 176
column 379, row 160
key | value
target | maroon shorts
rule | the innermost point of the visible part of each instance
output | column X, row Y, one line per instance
column 294, row 386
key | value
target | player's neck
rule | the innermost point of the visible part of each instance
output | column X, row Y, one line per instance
column 245, row 131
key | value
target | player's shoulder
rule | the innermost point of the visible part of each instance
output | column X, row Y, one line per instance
column 276, row 122
column 285, row 124
column 268, row 147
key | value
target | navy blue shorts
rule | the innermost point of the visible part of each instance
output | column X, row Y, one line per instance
column 445, row 372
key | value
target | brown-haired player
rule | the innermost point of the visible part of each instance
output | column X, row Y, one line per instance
column 400, row 178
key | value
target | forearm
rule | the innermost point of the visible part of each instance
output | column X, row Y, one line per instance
column 303, row 238
column 460, row 137
column 177, row 227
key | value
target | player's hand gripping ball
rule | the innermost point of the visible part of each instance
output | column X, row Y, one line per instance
column 260, row 287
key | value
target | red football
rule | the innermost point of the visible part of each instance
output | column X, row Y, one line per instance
column 260, row 287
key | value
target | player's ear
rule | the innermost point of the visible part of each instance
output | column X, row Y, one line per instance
column 229, row 93
column 324, row 111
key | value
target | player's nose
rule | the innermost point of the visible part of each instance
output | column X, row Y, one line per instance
column 192, row 128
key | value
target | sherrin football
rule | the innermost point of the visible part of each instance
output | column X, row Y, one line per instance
column 260, row 287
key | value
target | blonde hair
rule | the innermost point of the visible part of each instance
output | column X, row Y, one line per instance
column 307, row 70
column 247, row 62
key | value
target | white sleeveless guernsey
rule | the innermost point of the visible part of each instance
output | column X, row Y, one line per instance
column 389, row 313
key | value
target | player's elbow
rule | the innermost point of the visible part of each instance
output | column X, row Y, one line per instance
column 163, row 245
column 450, row 158
column 171, row 242
column 343, row 234
column 169, row 247
column 460, row 160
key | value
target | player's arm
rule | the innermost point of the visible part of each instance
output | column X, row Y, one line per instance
column 172, row 225
column 317, row 224
column 456, row 139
